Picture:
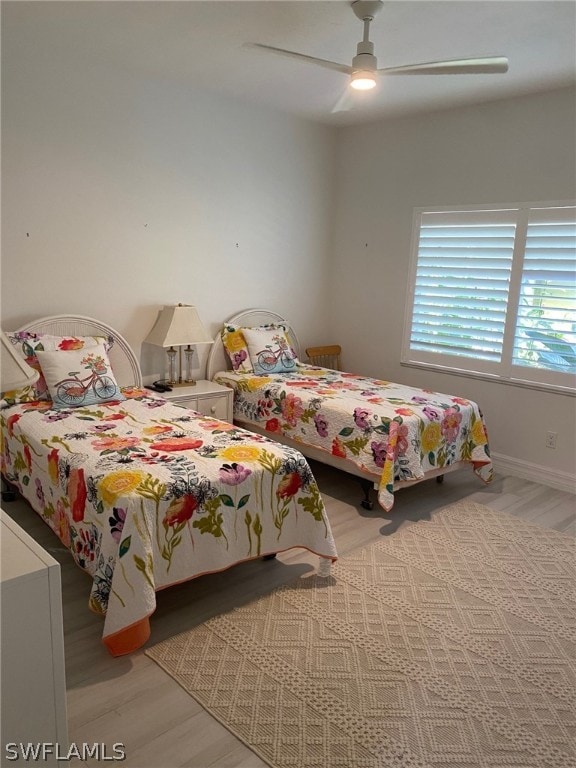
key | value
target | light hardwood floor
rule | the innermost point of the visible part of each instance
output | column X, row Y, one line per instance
column 132, row 701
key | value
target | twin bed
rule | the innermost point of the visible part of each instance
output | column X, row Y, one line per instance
column 145, row 493
column 388, row 435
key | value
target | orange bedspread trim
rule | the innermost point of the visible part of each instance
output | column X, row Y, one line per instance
column 129, row 639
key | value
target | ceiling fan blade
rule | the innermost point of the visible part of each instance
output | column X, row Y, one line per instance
column 351, row 100
column 303, row 57
column 344, row 103
column 482, row 65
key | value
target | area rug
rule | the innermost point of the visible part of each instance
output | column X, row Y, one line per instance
column 449, row 644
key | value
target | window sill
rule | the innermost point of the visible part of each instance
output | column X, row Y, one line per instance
column 492, row 377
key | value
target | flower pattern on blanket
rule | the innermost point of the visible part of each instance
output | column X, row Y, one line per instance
column 146, row 493
column 393, row 430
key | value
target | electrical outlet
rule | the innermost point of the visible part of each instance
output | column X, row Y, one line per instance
column 551, row 439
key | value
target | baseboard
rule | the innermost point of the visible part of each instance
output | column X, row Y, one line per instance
column 562, row 481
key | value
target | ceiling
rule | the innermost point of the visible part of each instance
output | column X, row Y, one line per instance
column 200, row 44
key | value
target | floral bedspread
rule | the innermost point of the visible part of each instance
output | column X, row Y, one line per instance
column 391, row 430
column 146, row 493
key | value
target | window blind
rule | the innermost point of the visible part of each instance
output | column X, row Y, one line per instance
column 493, row 293
column 545, row 334
column 462, row 280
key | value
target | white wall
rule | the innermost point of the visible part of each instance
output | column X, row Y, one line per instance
column 123, row 194
column 509, row 151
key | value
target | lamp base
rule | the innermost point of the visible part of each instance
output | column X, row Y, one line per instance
column 183, row 384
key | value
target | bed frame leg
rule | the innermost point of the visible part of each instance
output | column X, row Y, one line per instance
column 367, row 485
column 439, row 479
column 9, row 491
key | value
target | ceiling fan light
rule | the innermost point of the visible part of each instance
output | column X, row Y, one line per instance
column 363, row 81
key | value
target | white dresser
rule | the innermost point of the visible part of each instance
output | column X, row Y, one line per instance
column 33, row 682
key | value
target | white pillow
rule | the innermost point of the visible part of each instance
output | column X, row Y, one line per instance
column 79, row 377
column 270, row 350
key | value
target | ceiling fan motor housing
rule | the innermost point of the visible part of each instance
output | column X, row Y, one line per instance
column 365, row 60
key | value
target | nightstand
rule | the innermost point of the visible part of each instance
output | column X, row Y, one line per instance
column 207, row 397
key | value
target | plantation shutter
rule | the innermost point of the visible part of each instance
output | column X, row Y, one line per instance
column 545, row 335
column 464, row 263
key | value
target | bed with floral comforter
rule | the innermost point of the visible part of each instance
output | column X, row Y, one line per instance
column 146, row 493
column 393, row 432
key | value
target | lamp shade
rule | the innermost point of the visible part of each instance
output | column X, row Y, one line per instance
column 15, row 372
column 176, row 326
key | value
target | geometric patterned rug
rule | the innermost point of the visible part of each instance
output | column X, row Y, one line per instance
column 449, row 644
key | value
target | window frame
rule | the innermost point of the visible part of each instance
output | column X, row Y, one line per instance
column 505, row 371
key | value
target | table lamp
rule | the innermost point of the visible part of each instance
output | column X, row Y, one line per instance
column 178, row 326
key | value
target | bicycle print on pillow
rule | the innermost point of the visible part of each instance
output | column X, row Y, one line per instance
column 270, row 351
column 79, row 377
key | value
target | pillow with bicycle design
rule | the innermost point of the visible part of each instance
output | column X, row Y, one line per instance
column 236, row 346
column 26, row 344
column 79, row 377
column 270, row 350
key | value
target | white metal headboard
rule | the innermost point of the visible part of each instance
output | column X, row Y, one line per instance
column 218, row 359
column 122, row 358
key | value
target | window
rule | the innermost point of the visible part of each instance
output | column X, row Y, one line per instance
column 493, row 293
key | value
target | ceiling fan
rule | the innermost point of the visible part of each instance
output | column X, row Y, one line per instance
column 364, row 70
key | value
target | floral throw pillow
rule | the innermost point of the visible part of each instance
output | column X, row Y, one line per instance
column 236, row 348
column 79, row 377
